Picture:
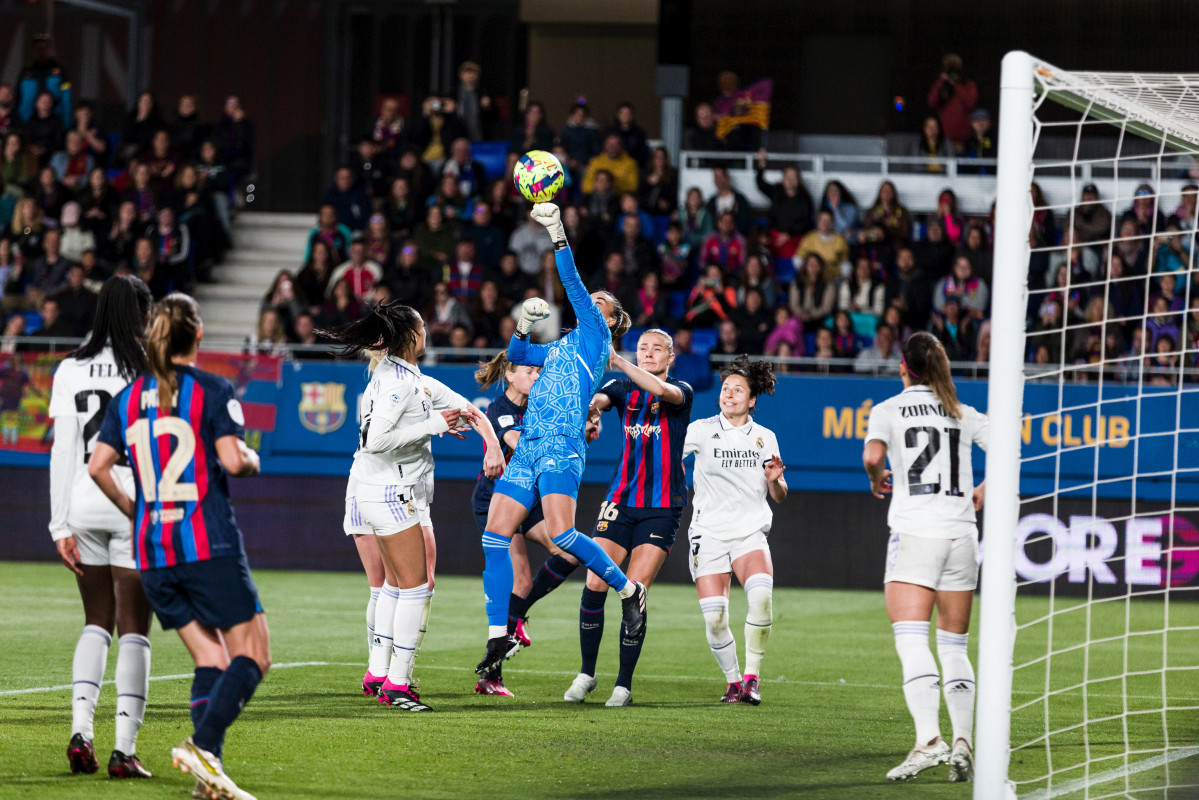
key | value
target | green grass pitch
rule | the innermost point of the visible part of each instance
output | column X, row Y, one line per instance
column 832, row 721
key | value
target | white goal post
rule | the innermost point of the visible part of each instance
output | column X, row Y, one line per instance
column 1088, row 670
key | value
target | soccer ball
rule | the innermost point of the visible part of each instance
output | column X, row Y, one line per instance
column 538, row 175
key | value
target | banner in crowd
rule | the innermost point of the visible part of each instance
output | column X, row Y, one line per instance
column 748, row 106
column 303, row 418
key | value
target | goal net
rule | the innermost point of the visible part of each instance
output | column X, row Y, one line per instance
column 1089, row 637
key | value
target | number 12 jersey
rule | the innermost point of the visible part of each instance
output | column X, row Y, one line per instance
column 930, row 452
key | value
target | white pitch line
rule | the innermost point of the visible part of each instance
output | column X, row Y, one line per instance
column 179, row 677
column 1077, row 785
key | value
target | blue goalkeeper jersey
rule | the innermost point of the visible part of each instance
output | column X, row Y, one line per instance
column 570, row 367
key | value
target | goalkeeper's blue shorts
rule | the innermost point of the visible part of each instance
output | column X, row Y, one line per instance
column 543, row 466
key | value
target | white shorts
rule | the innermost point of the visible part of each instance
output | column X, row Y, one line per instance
column 404, row 506
column 105, row 548
column 711, row 556
column 352, row 523
column 944, row 565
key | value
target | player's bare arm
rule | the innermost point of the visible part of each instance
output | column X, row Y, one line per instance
column 776, row 484
column 874, row 458
column 99, row 467
column 650, row 383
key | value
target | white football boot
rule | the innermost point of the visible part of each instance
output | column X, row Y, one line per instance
column 578, row 691
column 920, row 759
column 961, row 762
column 620, row 697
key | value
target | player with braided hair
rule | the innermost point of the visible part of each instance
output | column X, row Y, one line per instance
column 737, row 464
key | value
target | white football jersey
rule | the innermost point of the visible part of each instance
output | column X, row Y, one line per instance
column 82, row 391
column 930, row 454
column 730, row 478
column 398, row 396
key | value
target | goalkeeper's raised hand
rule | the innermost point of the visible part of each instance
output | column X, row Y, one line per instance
column 548, row 215
column 533, row 311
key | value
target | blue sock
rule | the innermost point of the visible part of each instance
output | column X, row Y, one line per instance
column 497, row 578
column 591, row 628
column 228, row 697
column 592, row 556
column 202, row 683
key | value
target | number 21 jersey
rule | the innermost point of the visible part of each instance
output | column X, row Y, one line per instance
column 929, row 451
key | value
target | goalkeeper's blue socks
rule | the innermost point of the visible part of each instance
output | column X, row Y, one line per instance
column 229, row 696
column 497, row 582
column 202, row 683
column 592, row 556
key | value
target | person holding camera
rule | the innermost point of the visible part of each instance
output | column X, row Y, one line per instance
column 953, row 96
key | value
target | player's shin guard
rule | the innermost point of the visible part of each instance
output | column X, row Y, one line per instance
column 420, row 635
column 720, row 638
column 592, row 556
column 759, row 590
column 957, row 681
column 370, row 618
column 497, row 582
column 133, row 685
column 591, row 628
column 409, row 610
column 921, row 681
column 385, row 611
column 205, row 678
column 229, row 696
column 553, row 572
column 87, row 672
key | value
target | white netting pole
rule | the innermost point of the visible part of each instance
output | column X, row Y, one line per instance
column 1005, row 395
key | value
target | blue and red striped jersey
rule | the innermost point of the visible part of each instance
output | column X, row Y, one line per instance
column 504, row 415
column 650, row 471
column 184, row 513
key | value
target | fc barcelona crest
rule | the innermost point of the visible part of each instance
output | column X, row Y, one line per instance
column 322, row 406
column 653, row 407
column 601, row 526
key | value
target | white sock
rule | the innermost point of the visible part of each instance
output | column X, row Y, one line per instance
column 957, row 681
column 420, row 636
column 87, row 673
column 921, row 681
column 133, row 685
column 628, row 590
column 720, row 638
column 759, row 590
column 385, row 611
column 409, row 609
column 370, row 618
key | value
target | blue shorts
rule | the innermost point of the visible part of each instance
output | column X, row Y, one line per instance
column 535, row 516
column 548, row 465
column 632, row 527
column 218, row 593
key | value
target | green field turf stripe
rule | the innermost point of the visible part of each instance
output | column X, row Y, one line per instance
column 179, row 677
column 1077, row 785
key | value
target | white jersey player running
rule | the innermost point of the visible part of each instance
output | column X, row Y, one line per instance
column 737, row 464
column 93, row 537
column 932, row 556
column 391, row 482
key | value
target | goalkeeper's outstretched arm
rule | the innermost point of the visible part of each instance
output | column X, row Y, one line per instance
column 585, row 309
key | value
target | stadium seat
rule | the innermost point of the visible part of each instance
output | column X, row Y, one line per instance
column 703, row 340
column 629, row 340
column 492, row 155
column 784, row 270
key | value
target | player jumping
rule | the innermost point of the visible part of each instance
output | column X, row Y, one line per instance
column 932, row 556
column 549, row 456
column 93, row 536
column 737, row 464
column 182, row 431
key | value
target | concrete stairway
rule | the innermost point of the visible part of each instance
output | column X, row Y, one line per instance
column 264, row 243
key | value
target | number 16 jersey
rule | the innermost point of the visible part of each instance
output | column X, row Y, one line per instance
column 930, row 454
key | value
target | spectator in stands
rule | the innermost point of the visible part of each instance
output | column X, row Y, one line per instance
column 445, row 314
column 510, row 279
column 379, row 242
column 1162, row 321
column 98, row 203
column 10, row 118
column 601, row 206
column 728, row 199
column 887, row 222
column 50, row 194
column 360, row 273
column 660, row 188
column 728, row 340
column 840, row 202
column 696, row 219
column 638, row 251
column 411, row 283
column 881, row 357
column 54, row 326
column 172, row 248
column 649, row 306
column 529, row 241
column 909, row 291
column 703, row 136
column 949, row 217
column 1131, row 246
column 487, row 313
column 330, row 231
column 932, row 145
column 825, row 352
column 894, row 319
column 614, row 277
column 447, row 197
column 845, row 341
column 980, row 143
column 504, row 209
column 235, row 134
column 1184, row 215
column 75, row 238
column 490, row 241
column 975, row 248
column 421, row 182
column 755, row 275
column 304, row 333
column 8, row 203
column 95, row 138
column 934, row 254
column 982, row 348
column 674, row 257
column 161, row 160
column 27, row 228
column 401, row 209
column 1172, row 256
column 475, row 105
column 1082, row 262
column 787, row 330
column 373, row 173
column 863, row 292
column 725, row 247
column 312, row 282
column 340, row 308
column 140, row 125
column 1144, row 212
column 42, row 65
column 50, row 269
column 214, row 181
column 195, row 212
column 1044, row 223
column 142, row 193
column 117, row 247
column 955, row 329
column 187, row 130
column 580, row 137
column 828, row 244
column 469, row 173
column 465, row 275
column 953, row 96
column 349, row 199
column 388, row 131
column 711, row 301
column 44, row 130
column 72, row 164
column 632, row 135
column 1092, row 219
column 533, row 133
column 790, row 215
column 76, row 303
column 754, row 321
column 615, row 161
column 18, row 166
column 971, row 293
column 435, row 238
column 144, row 265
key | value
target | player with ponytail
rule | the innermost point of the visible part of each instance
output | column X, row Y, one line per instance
column 932, row 556
column 737, row 466
column 182, row 431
